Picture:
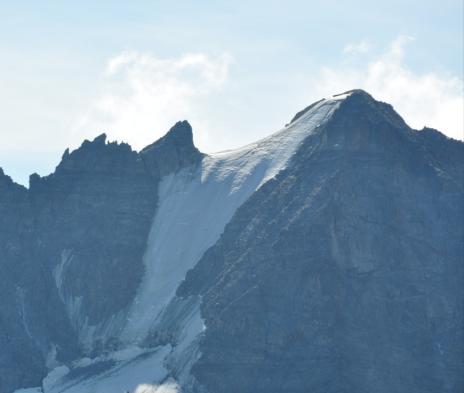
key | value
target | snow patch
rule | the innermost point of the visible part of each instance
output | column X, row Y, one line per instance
column 54, row 377
column 131, row 370
column 50, row 360
column 73, row 304
column 196, row 203
column 167, row 387
column 60, row 270
column 340, row 97
column 21, row 298
column 194, row 207
column 88, row 334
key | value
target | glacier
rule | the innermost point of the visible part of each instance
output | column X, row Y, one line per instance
column 195, row 204
column 253, row 265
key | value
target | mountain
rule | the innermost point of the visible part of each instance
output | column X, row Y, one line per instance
column 327, row 257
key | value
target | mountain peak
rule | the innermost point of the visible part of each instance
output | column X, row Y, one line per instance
column 180, row 135
column 182, row 132
column 354, row 92
column 110, row 266
column 357, row 102
column 360, row 102
column 173, row 151
column 339, row 96
column 100, row 139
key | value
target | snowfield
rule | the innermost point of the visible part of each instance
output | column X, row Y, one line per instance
column 194, row 207
column 196, row 204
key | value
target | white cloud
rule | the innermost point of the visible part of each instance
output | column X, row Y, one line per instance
column 422, row 99
column 143, row 95
column 363, row 46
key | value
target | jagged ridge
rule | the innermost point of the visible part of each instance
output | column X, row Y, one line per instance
column 303, row 246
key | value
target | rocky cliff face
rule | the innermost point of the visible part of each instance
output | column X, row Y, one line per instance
column 172, row 152
column 327, row 257
column 343, row 274
column 71, row 252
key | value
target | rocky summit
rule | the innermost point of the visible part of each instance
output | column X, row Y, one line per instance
column 325, row 258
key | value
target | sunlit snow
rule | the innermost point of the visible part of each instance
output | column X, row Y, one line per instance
column 196, row 204
column 194, row 207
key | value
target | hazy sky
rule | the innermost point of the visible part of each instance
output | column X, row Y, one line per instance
column 236, row 70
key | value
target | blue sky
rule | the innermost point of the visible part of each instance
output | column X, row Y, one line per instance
column 237, row 70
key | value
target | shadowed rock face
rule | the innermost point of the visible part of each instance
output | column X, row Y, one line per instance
column 172, row 152
column 345, row 273
column 71, row 249
column 97, row 207
column 31, row 315
column 16, row 349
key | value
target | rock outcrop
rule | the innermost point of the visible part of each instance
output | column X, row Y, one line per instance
column 327, row 257
column 345, row 272
column 71, row 249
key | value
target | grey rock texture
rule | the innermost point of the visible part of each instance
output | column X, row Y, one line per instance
column 71, row 249
column 32, row 319
column 172, row 152
column 16, row 353
column 345, row 273
column 97, row 207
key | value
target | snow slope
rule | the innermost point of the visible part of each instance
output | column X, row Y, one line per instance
column 131, row 370
column 195, row 205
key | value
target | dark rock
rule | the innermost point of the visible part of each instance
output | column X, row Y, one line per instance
column 344, row 274
column 172, row 152
column 89, row 221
